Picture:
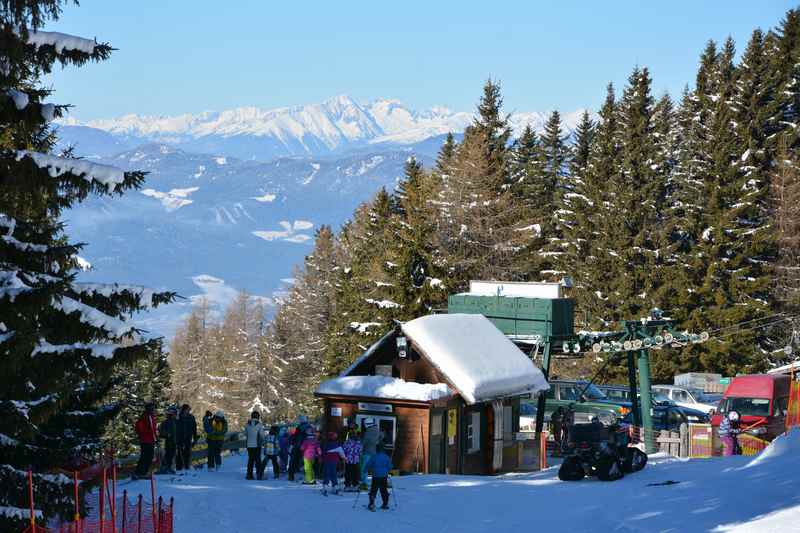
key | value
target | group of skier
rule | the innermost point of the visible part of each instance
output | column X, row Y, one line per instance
column 291, row 449
column 179, row 433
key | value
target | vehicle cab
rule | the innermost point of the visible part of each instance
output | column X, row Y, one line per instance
column 761, row 401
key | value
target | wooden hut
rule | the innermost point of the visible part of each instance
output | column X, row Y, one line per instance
column 443, row 389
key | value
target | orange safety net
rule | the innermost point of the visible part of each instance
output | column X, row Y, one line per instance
column 793, row 410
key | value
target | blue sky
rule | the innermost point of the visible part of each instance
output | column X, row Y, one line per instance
column 188, row 56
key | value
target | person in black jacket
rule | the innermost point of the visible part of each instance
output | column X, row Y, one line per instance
column 168, row 430
column 187, row 437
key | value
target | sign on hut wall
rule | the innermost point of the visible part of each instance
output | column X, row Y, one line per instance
column 452, row 425
column 377, row 407
column 336, row 411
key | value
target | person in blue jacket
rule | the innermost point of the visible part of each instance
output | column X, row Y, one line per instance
column 381, row 465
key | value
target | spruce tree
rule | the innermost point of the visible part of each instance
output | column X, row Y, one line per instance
column 417, row 283
column 134, row 385
column 478, row 221
column 61, row 340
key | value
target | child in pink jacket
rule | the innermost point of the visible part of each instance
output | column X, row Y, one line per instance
column 311, row 450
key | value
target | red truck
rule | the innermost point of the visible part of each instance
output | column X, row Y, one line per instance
column 761, row 401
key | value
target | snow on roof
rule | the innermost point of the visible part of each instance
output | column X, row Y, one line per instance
column 515, row 289
column 384, row 387
column 475, row 356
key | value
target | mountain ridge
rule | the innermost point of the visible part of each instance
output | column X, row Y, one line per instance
column 335, row 125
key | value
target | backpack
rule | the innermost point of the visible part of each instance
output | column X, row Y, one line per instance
column 270, row 446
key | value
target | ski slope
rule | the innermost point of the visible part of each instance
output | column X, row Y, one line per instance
column 727, row 494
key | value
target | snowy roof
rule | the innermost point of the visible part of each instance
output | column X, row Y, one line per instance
column 475, row 356
column 384, row 387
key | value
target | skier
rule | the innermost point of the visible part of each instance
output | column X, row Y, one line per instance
column 215, row 436
column 330, row 464
column 187, row 437
column 381, row 465
column 271, row 453
column 295, row 442
column 352, row 467
column 728, row 431
column 283, row 448
column 310, row 450
column 146, row 432
column 369, row 445
column 254, row 432
column 168, row 430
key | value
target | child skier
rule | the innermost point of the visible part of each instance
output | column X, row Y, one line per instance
column 728, row 433
column 330, row 464
column 352, row 467
column 271, row 454
column 381, row 465
column 283, row 447
column 310, row 450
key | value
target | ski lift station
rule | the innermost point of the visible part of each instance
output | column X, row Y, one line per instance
column 445, row 389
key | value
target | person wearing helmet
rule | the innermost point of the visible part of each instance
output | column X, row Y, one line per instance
column 369, row 445
column 728, row 430
column 146, row 433
column 215, row 438
column 330, row 463
column 254, row 431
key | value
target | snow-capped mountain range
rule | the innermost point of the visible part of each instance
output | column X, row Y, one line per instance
column 232, row 199
column 336, row 125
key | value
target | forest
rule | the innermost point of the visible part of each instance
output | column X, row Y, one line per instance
column 685, row 203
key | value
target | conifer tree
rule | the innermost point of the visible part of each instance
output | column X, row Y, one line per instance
column 61, row 340
column 477, row 219
column 417, row 283
column 134, row 385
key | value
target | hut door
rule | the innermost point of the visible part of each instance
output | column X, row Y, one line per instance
column 438, row 441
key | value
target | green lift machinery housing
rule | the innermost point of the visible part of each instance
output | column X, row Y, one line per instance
column 548, row 324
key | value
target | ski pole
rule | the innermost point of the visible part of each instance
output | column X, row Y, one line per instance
column 394, row 492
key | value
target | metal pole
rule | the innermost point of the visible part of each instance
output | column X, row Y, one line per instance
column 153, row 499
column 124, row 510
column 114, row 497
column 637, row 414
column 158, row 514
column 77, row 504
column 139, row 511
column 644, row 386
column 30, row 498
column 102, row 502
column 540, row 405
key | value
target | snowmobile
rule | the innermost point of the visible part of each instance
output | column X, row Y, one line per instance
column 597, row 450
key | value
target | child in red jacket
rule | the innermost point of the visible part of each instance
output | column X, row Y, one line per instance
column 330, row 464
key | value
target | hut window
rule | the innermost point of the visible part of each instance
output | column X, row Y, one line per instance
column 474, row 432
column 508, row 421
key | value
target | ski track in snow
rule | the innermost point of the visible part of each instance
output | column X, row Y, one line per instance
column 722, row 494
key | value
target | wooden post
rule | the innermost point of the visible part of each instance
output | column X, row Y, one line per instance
column 124, row 510
column 542, row 450
column 684, row 433
column 30, row 498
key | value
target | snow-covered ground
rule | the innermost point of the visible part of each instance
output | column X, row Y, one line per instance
column 732, row 494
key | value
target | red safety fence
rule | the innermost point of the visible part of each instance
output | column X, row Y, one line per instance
column 793, row 409
column 108, row 510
